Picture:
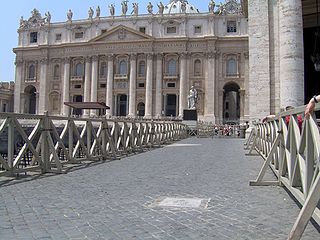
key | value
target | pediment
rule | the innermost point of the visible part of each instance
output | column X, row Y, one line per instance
column 121, row 33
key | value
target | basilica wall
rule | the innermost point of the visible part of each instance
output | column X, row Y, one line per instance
column 138, row 65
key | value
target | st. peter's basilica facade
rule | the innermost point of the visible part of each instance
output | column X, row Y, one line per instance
column 138, row 64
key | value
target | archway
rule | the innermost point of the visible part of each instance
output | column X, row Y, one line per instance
column 30, row 99
column 141, row 109
column 77, row 98
column 231, row 103
column 171, row 105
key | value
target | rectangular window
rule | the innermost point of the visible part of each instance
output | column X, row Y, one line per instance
column 141, row 85
column 231, row 26
column 78, row 35
column 142, row 29
column 227, row 105
column 197, row 29
column 171, row 29
column 58, row 37
column 103, row 85
column 33, row 37
column 171, row 85
column 77, row 86
column 103, row 31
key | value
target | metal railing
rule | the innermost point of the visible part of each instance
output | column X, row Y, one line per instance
column 46, row 143
column 292, row 150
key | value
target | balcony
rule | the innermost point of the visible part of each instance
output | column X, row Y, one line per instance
column 76, row 78
column 171, row 76
column 118, row 76
column 30, row 80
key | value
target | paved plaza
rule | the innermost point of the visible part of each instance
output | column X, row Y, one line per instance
column 119, row 199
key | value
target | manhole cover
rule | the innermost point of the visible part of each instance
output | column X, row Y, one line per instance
column 182, row 203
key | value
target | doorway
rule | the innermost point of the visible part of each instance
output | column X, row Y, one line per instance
column 171, row 107
column 122, row 105
column 30, row 99
column 231, row 104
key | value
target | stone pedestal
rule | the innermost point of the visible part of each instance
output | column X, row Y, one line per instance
column 190, row 115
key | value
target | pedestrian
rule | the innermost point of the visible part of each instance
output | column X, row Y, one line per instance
column 310, row 106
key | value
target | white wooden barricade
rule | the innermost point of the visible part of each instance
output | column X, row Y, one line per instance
column 293, row 153
column 46, row 143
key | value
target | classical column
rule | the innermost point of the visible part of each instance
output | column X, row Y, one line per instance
column 148, row 109
column 183, row 84
column 242, row 101
column 159, row 86
column 220, row 106
column 209, row 87
column 87, row 84
column 132, row 85
column 18, row 104
column 43, row 88
column 94, row 83
column 246, row 86
column 66, row 87
column 291, row 53
column 109, row 93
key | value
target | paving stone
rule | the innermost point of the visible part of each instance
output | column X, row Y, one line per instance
column 114, row 200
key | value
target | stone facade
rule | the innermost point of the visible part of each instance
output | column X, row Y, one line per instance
column 139, row 65
column 6, row 96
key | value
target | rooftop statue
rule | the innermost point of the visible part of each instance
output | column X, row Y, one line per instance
column 161, row 8
column 47, row 17
column 124, row 5
column 135, row 10
column 211, row 6
column 90, row 13
column 69, row 15
column 150, row 8
column 98, row 12
column 112, row 10
column 183, row 6
column 22, row 22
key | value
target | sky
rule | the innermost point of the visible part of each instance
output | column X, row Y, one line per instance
column 12, row 10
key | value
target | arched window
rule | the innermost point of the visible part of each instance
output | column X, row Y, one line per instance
column 172, row 67
column 103, row 69
column 197, row 67
column 231, row 67
column 141, row 70
column 32, row 72
column 79, row 69
column 56, row 71
column 123, row 67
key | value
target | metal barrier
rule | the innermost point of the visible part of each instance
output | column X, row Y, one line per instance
column 293, row 153
column 205, row 129
column 46, row 143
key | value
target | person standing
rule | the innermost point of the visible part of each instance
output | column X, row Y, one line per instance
column 310, row 106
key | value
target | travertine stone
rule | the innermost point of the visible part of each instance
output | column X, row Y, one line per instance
column 66, row 87
column 109, row 94
column 291, row 53
column 148, row 109
column 43, row 89
column 132, row 85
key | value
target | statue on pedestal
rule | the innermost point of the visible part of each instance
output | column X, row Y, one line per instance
column 124, row 5
column 90, row 13
column 112, row 10
column 69, row 15
column 211, row 6
column 150, row 8
column 47, row 17
column 98, row 12
column 161, row 8
column 192, row 98
column 135, row 10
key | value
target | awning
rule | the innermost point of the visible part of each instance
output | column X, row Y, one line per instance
column 87, row 105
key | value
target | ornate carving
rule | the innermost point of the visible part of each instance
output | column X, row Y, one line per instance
column 110, row 57
column 133, row 56
column 159, row 56
column 88, row 59
column 34, row 21
column 184, row 55
column 66, row 60
column 122, row 34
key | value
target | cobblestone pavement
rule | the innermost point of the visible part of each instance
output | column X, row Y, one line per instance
column 112, row 200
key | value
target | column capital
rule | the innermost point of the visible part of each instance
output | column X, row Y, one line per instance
column 95, row 58
column 18, row 62
column 110, row 57
column 44, row 61
column 213, row 54
column 184, row 55
column 88, row 59
column 160, row 56
column 67, row 60
column 55, row 60
column 149, row 56
column 133, row 57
